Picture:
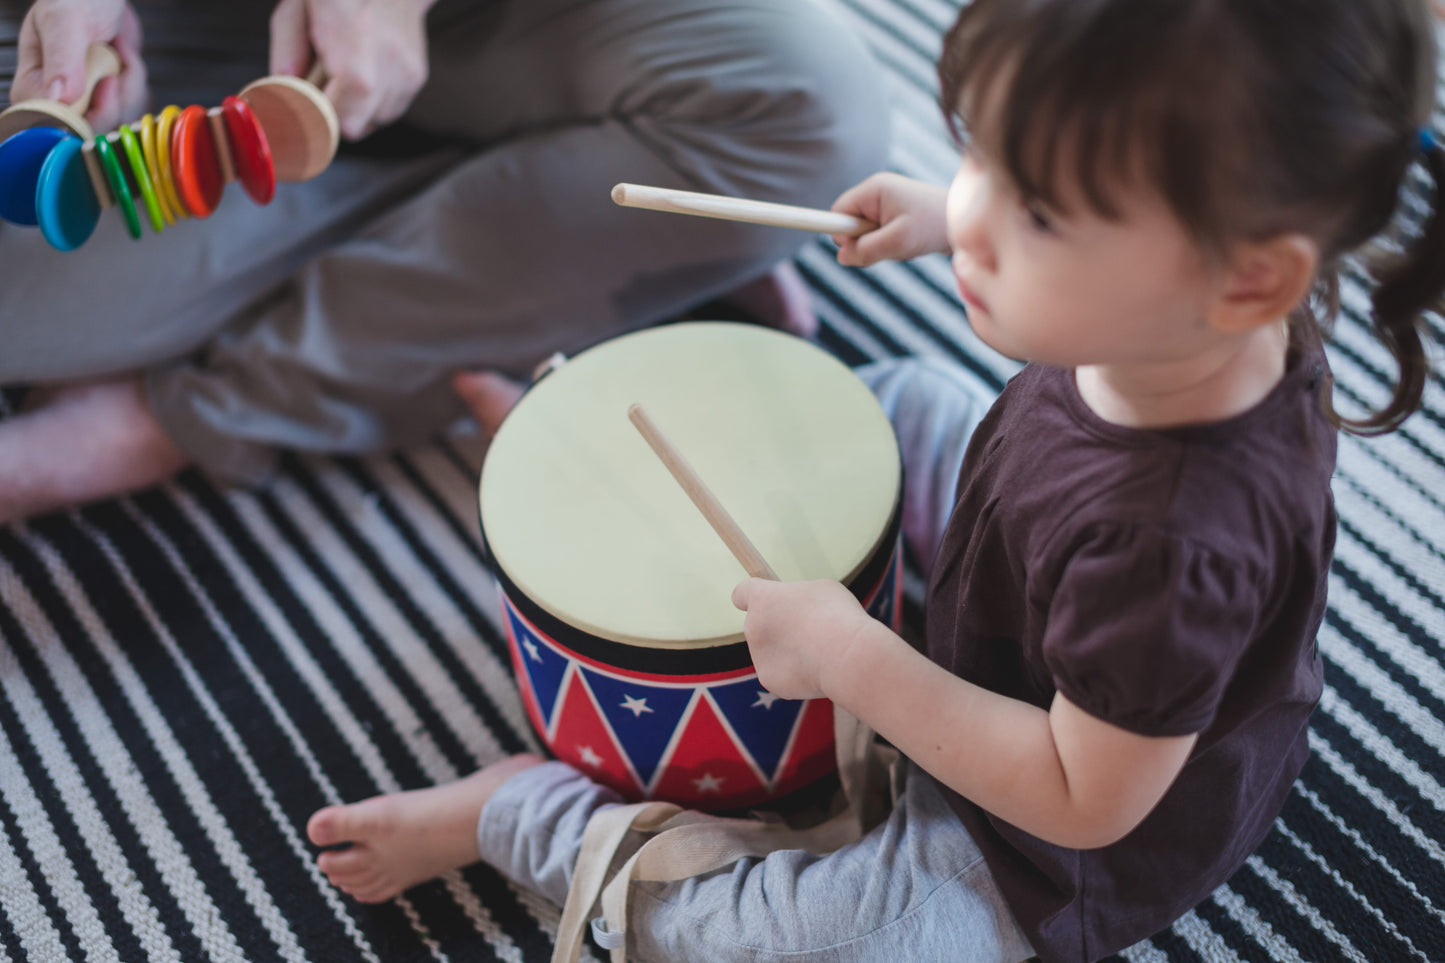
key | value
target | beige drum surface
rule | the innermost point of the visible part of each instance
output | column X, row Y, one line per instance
column 586, row 520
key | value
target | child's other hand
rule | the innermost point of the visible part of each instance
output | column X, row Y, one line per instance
column 909, row 215
column 795, row 630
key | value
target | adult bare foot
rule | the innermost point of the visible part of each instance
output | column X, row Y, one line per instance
column 405, row 838
column 779, row 299
column 83, row 443
column 488, row 395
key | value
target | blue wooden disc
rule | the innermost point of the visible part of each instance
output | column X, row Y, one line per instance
column 21, row 155
column 65, row 201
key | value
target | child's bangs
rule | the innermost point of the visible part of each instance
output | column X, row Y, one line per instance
column 1068, row 126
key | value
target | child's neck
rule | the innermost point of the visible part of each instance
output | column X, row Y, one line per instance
column 1220, row 382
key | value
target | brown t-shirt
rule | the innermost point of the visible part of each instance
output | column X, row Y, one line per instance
column 1168, row 582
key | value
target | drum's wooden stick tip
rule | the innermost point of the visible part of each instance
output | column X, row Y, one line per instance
column 722, row 523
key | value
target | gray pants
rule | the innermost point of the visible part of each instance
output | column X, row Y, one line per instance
column 330, row 319
column 916, row 888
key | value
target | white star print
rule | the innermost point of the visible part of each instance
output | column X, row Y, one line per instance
column 531, row 648
column 589, row 756
column 708, row 783
column 765, row 699
column 635, row 706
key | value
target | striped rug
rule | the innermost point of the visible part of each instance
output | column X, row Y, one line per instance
column 187, row 674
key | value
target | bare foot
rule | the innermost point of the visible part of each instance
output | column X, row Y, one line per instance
column 82, row 443
column 488, row 395
column 780, row 300
column 405, row 838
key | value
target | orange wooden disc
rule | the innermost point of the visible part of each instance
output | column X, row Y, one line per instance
column 194, row 163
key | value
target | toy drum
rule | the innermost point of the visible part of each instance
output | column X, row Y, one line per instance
column 615, row 590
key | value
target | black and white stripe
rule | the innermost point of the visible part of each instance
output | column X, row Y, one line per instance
column 186, row 675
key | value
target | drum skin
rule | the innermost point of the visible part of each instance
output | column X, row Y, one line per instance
column 653, row 705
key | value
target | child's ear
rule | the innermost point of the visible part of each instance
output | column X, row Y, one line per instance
column 1264, row 282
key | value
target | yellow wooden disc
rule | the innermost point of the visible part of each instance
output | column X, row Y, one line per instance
column 145, row 128
column 165, row 126
column 585, row 519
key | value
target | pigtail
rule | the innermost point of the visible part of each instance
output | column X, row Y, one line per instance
column 1407, row 288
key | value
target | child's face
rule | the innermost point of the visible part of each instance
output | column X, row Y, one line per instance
column 1075, row 289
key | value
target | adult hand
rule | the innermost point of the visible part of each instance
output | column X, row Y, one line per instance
column 51, row 58
column 909, row 215
column 796, row 630
column 373, row 52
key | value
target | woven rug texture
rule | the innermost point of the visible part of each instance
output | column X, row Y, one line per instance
column 187, row 674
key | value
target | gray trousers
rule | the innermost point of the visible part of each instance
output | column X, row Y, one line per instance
column 331, row 319
column 916, row 888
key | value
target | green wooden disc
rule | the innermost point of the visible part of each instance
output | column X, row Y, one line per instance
column 141, row 174
column 110, row 162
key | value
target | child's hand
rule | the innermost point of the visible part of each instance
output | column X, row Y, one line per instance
column 796, row 629
column 909, row 215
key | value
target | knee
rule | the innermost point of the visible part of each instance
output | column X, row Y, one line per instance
column 795, row 97
column 832, row 97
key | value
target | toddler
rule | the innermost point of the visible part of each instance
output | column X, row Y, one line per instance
column 1120, row 665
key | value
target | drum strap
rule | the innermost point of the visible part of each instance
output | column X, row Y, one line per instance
column 682, row 843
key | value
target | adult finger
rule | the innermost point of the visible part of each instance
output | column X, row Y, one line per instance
column 355, row 99
column 124, row 97
column 290, row 38
column 29, row 76
column 62, row 37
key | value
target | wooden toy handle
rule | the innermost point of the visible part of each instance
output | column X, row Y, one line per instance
column 101, row 61
column 739, row 209
column 737, row 542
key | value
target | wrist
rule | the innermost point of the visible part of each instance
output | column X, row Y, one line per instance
column 849, row 679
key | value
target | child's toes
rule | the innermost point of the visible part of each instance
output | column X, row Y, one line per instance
column 376, row 891
column 323, row 829
column 351, row 823
column 346, row 863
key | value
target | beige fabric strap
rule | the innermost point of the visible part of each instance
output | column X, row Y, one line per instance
column 603, row 835
column 677, row 852
column 686, row 843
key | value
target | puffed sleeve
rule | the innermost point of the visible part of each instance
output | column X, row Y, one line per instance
column 1146, row 627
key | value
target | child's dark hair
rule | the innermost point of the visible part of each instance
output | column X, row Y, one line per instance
column 1251, row 118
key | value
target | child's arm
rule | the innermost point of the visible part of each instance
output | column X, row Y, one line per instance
column 1061, row 774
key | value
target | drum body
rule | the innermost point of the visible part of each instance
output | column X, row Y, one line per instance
column 615, row 591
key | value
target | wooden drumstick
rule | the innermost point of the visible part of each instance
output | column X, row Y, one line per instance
column 707, row 503
column 740, row 209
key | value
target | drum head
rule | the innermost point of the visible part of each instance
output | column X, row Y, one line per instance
column 584, row 518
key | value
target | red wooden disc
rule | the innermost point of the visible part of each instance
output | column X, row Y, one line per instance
column 249, row 150
column 194, row 164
